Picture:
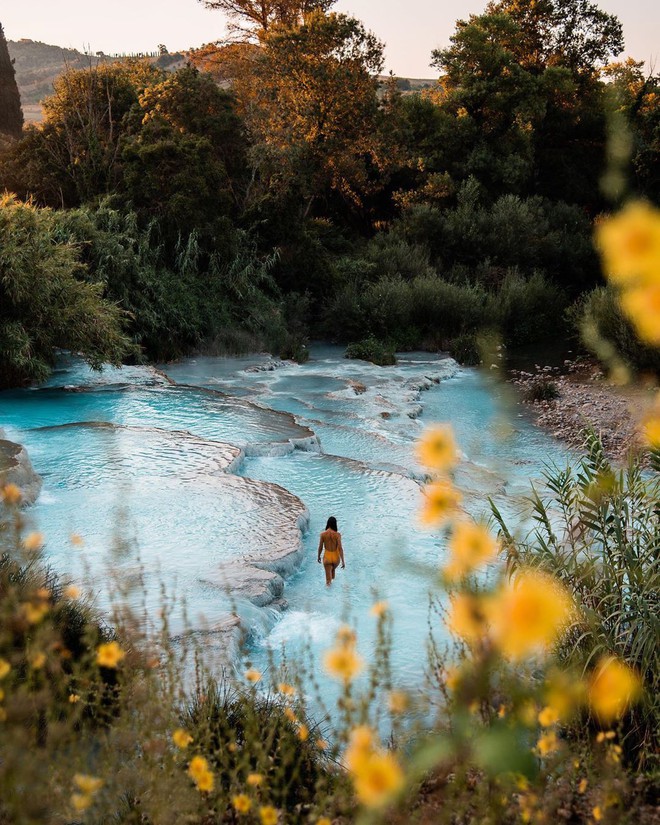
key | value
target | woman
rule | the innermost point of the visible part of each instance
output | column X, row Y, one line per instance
column 331, row 541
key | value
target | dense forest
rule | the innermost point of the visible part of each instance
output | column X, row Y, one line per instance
column 275, row 189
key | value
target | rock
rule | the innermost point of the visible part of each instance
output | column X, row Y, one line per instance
column 16, row 468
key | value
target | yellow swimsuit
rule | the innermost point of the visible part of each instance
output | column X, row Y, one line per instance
column 331, row 542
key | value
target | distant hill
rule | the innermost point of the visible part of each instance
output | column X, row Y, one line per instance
column 38, row 64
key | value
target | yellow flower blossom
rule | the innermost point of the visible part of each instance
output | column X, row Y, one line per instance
column 37, row 660
column 290, row 715
column 71, row 592
column 109, row 654
column 361, row 744
column 76, row 540
column 11, row 494
column 377, row 779
column 255, row 779
column 87, row 784
column 564, row 693
column 529, row 614
column 437, row 448
column 582, row 786
column 252, row 675
column 242, row 803
column 303, row 733
column 470, row 546
column 613, row 687
column 321, row 744
column 467, row 617
column 5, row 667
column 34, row 612
column 398, row 702
column 597, row 813
column 80, row 801
column 642, row 306
column 323, row 821
column 73, row 698
column 268, row 815
column 286, row 690
column 343, row 663
column 181, row 738
column 33, row 542
column 346, row 635
column 548, row 716
column 379, row 609
column 450, row 676
column 441, row 503
column 201, row 774
column 548, row 743
column 629, row 243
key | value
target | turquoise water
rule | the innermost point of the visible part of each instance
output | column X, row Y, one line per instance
column 193, row 475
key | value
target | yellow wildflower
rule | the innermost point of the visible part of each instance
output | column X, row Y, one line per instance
column 361, row 744
column 80, row 801
column 181, row 738
column 398, row 701
column 437, row 449
column 255, row 779
column 346, row 635
column 73, row 698
column 597, row 813
column 5, row 667
column 76, row 540
column 11, row 494
column 201, row 774
column 343, row 663
column 379, row 609
column 87, row 784
column 321, row 744
column 652, row 431
column 441, row 503
column 377, row 779
column 303, row 733
column 467, row 617
column 323, row 821
column 564, row 693
column 37, row 660
column 529, row 614
column 242, row 803
column 582, row 786
column 109, row 654
column 548, row 743
column 548, row 716
column 613, row 687
column 71, row 592
column 268, row 815
column 34, row 612
column 290, row 715
column 450, row 676
column 470, row 546
column 286, row 690
column 642, row 306
column 252, row 675
column 33, row 542
column 630, row 244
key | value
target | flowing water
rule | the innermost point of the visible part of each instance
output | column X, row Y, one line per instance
column 206, row 476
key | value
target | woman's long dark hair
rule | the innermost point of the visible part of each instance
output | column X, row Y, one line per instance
column 332, row 524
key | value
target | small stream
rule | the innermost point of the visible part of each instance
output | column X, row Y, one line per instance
column 223, row 468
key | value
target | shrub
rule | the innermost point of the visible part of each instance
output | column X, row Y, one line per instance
column 541, row 390
column 371, row 349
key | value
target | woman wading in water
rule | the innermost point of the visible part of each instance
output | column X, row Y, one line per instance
column 331, row 541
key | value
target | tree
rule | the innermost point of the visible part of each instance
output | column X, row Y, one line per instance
column 11, row 114
column 249, row 19
column 43, row 304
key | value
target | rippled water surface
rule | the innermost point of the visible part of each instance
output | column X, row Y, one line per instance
column 193, row 475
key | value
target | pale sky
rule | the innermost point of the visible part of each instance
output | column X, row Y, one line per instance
column 411, row 29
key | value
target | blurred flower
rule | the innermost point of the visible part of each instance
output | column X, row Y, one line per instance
column 255, row 779
column 87, row 784
column 548, row 716
column 582, row 786
column 467, row 617
column 441, row 503
column 5, row 667
column 34, row 612
column 11, row 494
column 450, row 676
column 630, row 243
column 529, row 614
column 346, row 635
column 242, row 803
column 252, row 675
column 377, row 779
column 548, row 743
column 80, row 802
column 323, row 821
column 181, row 738
column 652, row 430
column 471, row 545
column 361, row 743
column 290, row 715
column 436, row 449
column 76, row 540
column 398, row 701
column 37, row 660
column 109, row 654
column 564, row 692
column 321, row 744
column 268, row 815
column 73, row 698
column 343, row 662
column 379, row 609
column 613, row 687
column 303, row 733
column 71, row 592
column 286, row 690
column 642, row 306
column 597, row 813
column 201, row 774
column 33, row 542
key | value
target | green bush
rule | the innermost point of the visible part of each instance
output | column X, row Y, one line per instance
column 541, row 390
column 371, row 349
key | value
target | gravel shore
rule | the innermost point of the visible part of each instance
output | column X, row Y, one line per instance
column 584, row 398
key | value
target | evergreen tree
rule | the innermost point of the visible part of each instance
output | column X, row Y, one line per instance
column 11, row 114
